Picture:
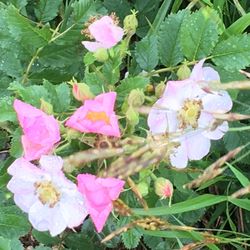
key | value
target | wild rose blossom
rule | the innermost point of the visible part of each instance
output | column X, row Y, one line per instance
column 187, row 108
column 50, row 199
column 99, row 194
column 96, row 116
column 41, row 131
column 106, row 33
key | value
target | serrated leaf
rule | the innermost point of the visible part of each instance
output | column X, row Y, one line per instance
column 16, row 148
column 146, row 53
column 169, row 39
column 59, row 95
column 131, row 238
column 45, row 238
column 26, row 32
column 233, row 53
column 81, row 9
column 7, row 113
column 31, row 94
column 47, row 10
column 18, row 3
column 13, row 223
column 4, row 244
column 199, row 34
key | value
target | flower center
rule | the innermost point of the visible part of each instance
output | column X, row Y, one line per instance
column 190, row 113
column 97, row 116
column 47, row 193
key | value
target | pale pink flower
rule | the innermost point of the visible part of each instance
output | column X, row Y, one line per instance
column 99, row 194
column 96, row 116
column 41, row 131
column 187, row 108
column 50, row 199
column 106, row 33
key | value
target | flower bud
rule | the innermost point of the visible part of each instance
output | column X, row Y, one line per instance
column 142, row 188
column 46, row 107
column 163, row 188
column 183, row 72
column 101, row 55
column 159, row 89
column 130, row 23
column 81, row 91
column 132, row 116
column 136, row 98
column 150, row 88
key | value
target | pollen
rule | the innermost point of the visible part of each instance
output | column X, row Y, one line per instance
column 190, row 113
column 97, row 116
column 47, row 193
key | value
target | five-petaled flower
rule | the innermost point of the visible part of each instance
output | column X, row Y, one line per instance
column 186, row 109
column 50, row 199
column 106, row 33
column 96, row 116
column 99, row 194
column 41, row 131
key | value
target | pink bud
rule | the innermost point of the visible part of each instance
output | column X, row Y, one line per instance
column 81, row 91
column 163, row 188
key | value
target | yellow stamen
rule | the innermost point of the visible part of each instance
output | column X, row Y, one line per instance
column 190, row 113
column 97, row 116
column 47, row 193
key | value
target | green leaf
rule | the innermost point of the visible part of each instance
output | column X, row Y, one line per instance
column 131, row 238
column 45, row 238
column 199, row 34
column 169, row 39
column 7, row 112
column 19, row 4
column 233, row 54
column 244, row 181
column 146, row 53
column 15, row 244
column 81, row 9
column 185, row 206
column 243, row 203
column 174, row 234
column 4, row 244
column 130, row 83
column 47, row 10
column 59, row 95
column 16, row 148
column 13, row 223
column 162, row 12
column 237, row 27
column 234, row 139
column 26, row 32
column 31, row 94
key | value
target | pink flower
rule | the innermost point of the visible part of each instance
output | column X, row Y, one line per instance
column 41, row 131
column 187, row 107
column 96, row 116
column 50, row 199
column 99, row 194
column 106, row 33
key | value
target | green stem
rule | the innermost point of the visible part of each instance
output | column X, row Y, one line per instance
column 169, row 69
column 27, row 71
column 239, row 129
column 62, row 147
column 153, row 176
